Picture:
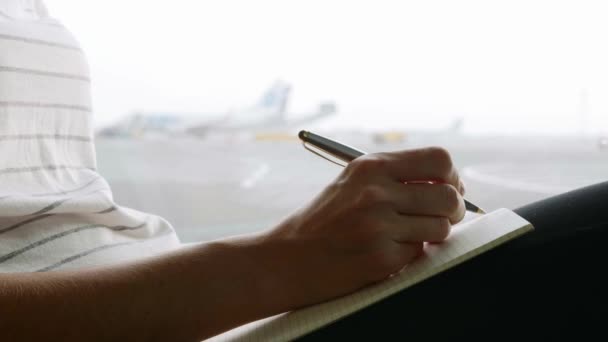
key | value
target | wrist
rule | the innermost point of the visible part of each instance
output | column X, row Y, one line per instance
column 274, row 272
column 287, row 269
column 258, row 270
column 269, row 265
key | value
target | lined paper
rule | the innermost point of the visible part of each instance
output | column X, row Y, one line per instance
column 467, row 240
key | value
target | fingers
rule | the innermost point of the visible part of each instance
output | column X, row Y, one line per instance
column 419, row 229
column 461, row 188
column 426, row 164
column 432, row 164
column 442, row 200
column 424, row 208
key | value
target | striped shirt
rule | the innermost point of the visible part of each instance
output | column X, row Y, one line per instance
column 56, row 211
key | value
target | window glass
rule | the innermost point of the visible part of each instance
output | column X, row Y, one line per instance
column 198, row 103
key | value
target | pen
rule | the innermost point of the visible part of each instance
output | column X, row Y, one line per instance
column 347, row 153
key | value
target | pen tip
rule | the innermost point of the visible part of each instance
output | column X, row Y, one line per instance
column 302, row 135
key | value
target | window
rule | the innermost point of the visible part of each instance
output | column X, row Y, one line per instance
column 198, row 104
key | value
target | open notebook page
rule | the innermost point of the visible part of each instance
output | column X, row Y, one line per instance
column 475, row 235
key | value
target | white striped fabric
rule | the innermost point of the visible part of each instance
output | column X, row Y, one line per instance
column 56, row 211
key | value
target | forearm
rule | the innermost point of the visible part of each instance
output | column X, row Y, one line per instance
column 183, row 296
column 366, row 225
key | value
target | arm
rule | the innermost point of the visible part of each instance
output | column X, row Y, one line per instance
column 363, row 227
column 182, row 296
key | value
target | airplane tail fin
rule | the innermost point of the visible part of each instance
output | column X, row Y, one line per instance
column 275, row 100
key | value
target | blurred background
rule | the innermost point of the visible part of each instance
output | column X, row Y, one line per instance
column 198, row 104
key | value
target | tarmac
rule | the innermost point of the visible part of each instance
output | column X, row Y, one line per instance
column 213, row 188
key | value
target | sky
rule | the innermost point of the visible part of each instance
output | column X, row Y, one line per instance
column 504, row 66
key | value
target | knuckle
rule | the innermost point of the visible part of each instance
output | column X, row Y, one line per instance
column 336, row 187
column 451, row 198
column 371, row 195
column 443, row 228
column 441, row 157
column 366, row 165
column 462, row 189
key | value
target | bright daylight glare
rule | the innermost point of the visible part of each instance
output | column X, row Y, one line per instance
column 198, row 103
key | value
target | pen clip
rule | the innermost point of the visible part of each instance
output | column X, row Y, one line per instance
column 323, row 154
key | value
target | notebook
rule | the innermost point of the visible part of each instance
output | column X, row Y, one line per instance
column 475, row 235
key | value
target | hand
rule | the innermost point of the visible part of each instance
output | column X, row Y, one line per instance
column 366, row 225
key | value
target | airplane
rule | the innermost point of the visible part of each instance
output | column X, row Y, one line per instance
column 269, row 114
